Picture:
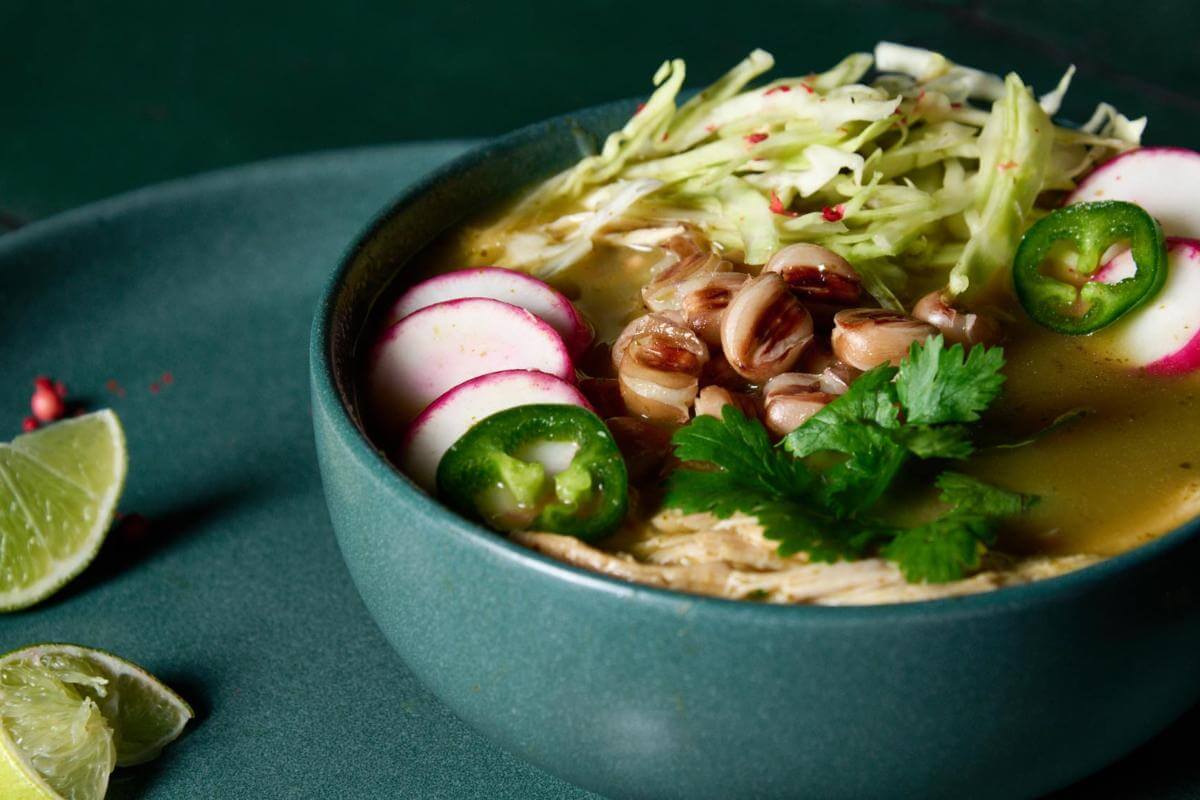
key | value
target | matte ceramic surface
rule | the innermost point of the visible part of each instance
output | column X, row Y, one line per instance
column 236, row 595
column 636, row 692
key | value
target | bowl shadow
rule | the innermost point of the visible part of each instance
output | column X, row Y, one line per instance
column 134, row 538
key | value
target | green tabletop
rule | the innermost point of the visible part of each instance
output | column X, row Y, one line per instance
column 238, row 597
column 102, row 97
column 235, row 595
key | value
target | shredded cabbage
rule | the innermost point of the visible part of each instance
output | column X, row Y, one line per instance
column 1014, row 152
column 905, row 176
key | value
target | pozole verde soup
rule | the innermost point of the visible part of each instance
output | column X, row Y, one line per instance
column 817, row 340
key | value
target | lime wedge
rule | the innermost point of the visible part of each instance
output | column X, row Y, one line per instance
column 59, row 488
column 69, row 715
column 54, row 741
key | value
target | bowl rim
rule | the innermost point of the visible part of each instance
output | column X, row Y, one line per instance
column 391, row 480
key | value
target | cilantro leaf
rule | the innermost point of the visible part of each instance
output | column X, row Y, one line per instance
column 938, row 385
column 948, row 547
column 741, row 448
column 860, row 424
column 939, row 551
column 753, row 477
column 870, row 399
column 816, row 492
column 692, row 491
column 798, row 531
column 855, row 483
column 936, row 441
column 972, row 495
column 791, row 523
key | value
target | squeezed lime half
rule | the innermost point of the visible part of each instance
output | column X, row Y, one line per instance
column 59, row 488
column 69, row 715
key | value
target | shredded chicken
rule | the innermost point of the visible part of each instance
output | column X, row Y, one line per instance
column 700, row 554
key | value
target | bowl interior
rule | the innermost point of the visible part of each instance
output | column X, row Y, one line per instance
column 482, row 179
column 479, row 180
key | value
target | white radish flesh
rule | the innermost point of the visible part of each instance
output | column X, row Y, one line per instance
column 1163, row 336
column 508, row 286
column 1163, row 180
column 433, row 350
column 454, row 413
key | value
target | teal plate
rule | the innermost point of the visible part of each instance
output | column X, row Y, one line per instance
column 236, row 595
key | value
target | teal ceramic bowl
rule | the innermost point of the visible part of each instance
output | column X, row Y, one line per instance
column 637, row 692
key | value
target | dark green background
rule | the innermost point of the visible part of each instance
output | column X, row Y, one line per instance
column 98, row 97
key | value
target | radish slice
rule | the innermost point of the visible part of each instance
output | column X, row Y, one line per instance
column 1119, row 267
column 428, row 352
column 506, row 285
column 450, row 416
column 1163, row 180
column 1163, row 335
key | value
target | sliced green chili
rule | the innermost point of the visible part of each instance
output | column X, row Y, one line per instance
column 1092, row 228
column 538, row 467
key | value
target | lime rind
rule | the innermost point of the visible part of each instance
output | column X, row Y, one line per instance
column 76, row 466
column 18, row 779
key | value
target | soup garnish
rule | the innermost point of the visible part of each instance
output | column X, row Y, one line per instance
column 547, row 467
column 829, row 507
column 904, row 178
column 829, row 339
column 1087, row 305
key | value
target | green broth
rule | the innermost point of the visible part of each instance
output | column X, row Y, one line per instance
column 1123, row 474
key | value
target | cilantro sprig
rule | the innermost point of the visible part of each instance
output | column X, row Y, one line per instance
column 818, row 492
column 731, row 467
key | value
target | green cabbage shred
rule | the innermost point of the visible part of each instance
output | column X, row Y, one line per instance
column 907, row 176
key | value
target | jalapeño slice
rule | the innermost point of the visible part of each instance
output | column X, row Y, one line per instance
column 550, row 468
column 1092, row 228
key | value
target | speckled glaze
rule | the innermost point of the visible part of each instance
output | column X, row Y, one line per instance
column 637, row 692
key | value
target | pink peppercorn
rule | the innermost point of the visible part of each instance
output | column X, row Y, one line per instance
column 46, row 405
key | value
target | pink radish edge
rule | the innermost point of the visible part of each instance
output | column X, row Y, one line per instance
column 1098, row 172
column 1141, row 336
column 392, row 330
column 1116, row 269
column 1162, row 180
column 1187, row 358
column 425, row 443
column 506, row 337
column 558, row 311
